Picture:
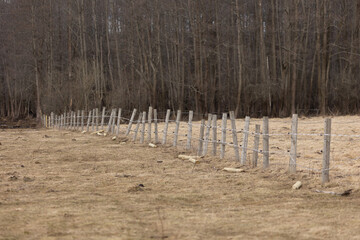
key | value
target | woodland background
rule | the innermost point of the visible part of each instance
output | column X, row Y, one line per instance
column 256, row 57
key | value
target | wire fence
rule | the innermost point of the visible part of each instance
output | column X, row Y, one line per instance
column 297, row 145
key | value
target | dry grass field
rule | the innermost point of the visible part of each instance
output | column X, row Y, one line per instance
column 67, row 185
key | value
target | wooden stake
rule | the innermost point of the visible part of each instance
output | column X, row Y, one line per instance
column 223, row 135
column 234, row 135
column 214, row 136
column 256, row 145
column 110, row 121
column 131, row 122
column 166, row 126
column 266, row 142
column 118, row 122
column 103, row 118
column 326, row 152
column 149, row 124
column 207, row 135
column 93, row 120
column 156, row 127
column 176, row 133
column 137, row 127
column 201, row 137
column 188, row 143
column 88, row 122
column 82, row 119
column 143, row 127
column 70, row 119
column 245, row 140
column 294, row 127
column 78, row 120
column 113, row 122
column 97, row 119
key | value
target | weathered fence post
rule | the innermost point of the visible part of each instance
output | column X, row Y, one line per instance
column 78, row 120
column 326, row 152
column 143, row 127
column 207, row 135
column 93, row 120
column 88, row 121
column 189, row 134
column 256, row 145
column 118, row 122
column 110, row 121
column 176, row 133
column 103, row 118
column 97, row 119
column 201, row 137
column 245, row 140
column 223, row 135
column 70, row 119
column 265, row 142
column 82, row 119
column 131, row 122
column 149, row 124
column 74, row 122
column 113, row 122
column 166, row 126
column 294, row 127
column 137, row 127
column 234, row 135
column 214, row 135
column 156, row 127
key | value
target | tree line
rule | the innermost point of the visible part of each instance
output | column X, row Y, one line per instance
column 253, row 56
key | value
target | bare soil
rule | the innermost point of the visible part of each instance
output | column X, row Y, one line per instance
column 67, row 185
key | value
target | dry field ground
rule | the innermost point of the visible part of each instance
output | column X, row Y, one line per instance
column 67, row 185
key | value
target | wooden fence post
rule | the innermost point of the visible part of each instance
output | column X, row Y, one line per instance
column 207, row 135
column 93, row 120
column 110, row 121
column 88, row 121
column 265, row 142
column 326, row 152
column 118, row 122
column 176, row 133
column 256, row 145
column 201, row 137
column 137, row 127
column 78, row 120
column 245, row 140
column 102, row 118
column 156, row 127
column 82, row 119
column 294, row 127
column 70, row 119
column 143, row 127
column 214, row 135
column 234, row 135
column 189, row 134
column 166, row 126
column 97, row 119
column 131, row 122
column 113, row 122
column 149, row 124
column 223, row 135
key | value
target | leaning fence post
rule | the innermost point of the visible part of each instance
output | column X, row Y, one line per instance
column 156, row 127
column 214, row 137
column 188, row 143
column 149, row 124
column 207, row 134
column 223, row 135
column 176, row 133
column 88, row 121
column 110, row 121
column 245, row 140
column 201, row 137
column 265, row 142
column 234, row 135
column 137, row 127
column 166, row 126
column 326, row 152
column 143, row 127
column 131, row 122
column 294, row 127
column 256, row 145
column 118, row 122
column 102, row 118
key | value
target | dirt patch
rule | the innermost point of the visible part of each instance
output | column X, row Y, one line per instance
column 95, row 188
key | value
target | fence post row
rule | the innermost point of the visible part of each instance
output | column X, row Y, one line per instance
column 326, row 152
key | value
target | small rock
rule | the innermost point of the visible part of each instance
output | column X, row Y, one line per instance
column 152, row 145
column 37, row 162
column 22, row 166
column 297, row 185
column 27, row 179
column 159, row 161
column 73, row 139
column 46, row 136
column 113, row 138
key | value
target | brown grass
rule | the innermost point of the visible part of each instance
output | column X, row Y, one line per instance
column 67, row 185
